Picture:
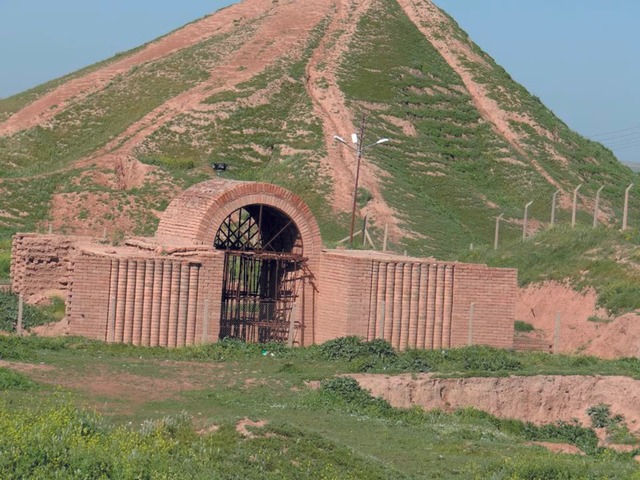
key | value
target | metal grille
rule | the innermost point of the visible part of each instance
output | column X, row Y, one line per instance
column 259, row 291
column 262, row 274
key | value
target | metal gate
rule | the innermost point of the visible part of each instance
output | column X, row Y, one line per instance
column 259, row 291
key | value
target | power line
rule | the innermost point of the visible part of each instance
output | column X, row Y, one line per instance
column 603, row 134
column 625, row 147
column 620, row 143
column 620, row 136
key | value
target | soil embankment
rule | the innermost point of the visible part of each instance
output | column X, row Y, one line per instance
column 583, row 327
column 539, row 399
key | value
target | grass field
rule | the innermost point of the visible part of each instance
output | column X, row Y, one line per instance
column 84, row 409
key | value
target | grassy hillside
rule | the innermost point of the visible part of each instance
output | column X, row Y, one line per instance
column 456, row 173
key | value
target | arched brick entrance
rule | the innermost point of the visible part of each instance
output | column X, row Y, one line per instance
column 272, row 245
column 195, row 215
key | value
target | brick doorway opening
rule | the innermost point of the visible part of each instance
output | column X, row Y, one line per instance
column 263, row 271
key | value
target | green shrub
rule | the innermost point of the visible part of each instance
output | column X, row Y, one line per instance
column 343, row 348
column 489, row 359
column 10, row 380
column 5, row 265
column 570, row 432
column 31, row 316
column 521, row 326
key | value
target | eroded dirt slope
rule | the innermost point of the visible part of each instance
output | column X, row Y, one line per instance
column 583, row 327
column 539, row 399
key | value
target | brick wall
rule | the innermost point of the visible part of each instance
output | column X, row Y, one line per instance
column 155, row 301
column 493, row 292
column 414, row 303
column 88, row 300
column 41, row 263
column 343, row 298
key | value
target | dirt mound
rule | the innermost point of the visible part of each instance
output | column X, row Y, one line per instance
column 242, row 427
column 583, row 327
column 538, row 399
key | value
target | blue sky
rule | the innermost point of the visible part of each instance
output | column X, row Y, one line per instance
column 578, row 56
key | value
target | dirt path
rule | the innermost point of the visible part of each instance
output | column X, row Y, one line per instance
column 330, row 106
column 538, row 399
column 283, row 32
column 102, row 381
column 431, row 21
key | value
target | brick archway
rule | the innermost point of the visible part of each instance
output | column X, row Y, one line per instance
column 195, row 215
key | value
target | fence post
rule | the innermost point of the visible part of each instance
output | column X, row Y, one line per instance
column 497, row 234
column 386, row 235
column 19, row 320
column 470, row 332
column 575, row 203
column 364, row 231
column 597, row 206
column 626, row 207
column 553, row 207
column 524, row 224
column 556, row 338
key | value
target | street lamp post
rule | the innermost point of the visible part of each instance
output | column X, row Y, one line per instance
column 358, row 148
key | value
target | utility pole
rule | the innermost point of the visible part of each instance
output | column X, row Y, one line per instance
column 358, row 143
column 497, row 234
column 524, row 223
column 358, row 148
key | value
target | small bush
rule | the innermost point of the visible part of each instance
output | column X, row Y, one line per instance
column 489, row 360
column 600, row 415
column 521, row 326
column 350, row 348
column 570, row 432
column 31, row 316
